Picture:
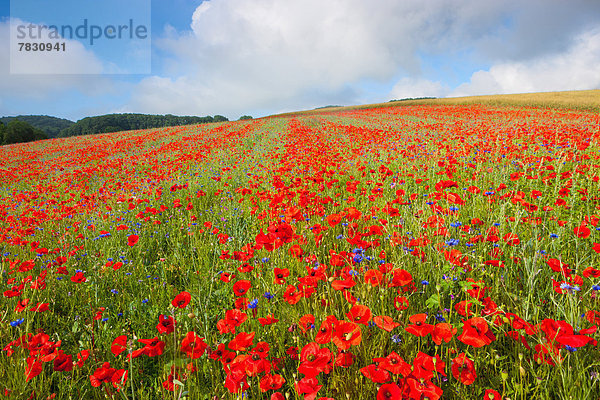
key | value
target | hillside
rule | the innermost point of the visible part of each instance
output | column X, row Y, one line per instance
column 50, row 125
column 125, row 122
column 588, row 100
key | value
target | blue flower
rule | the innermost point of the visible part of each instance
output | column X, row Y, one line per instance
column 424, row 283
column 253, row 304
column 17, row 322
column 396, row 339
column 268, row 296
column 357, row 258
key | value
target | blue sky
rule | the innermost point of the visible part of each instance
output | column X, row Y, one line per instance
column 258, row 57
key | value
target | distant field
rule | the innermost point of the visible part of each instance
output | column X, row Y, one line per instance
column 436, row 251
column 576, row 99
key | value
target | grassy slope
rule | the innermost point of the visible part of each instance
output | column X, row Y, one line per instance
column 576, row 99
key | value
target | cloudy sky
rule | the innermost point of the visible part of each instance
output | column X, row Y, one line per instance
column 258, row 57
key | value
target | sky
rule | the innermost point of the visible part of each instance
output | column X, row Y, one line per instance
column 260, row 57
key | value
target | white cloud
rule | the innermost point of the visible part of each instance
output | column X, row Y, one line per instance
column 417, row 87
column 42, row 87
column 243, row 55
column 69, row 57
column 574, row 69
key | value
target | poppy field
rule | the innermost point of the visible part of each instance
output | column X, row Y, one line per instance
column 416, row 252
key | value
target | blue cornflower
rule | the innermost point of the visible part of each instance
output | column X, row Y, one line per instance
column 456, row 224
column 452, row 242
column 253, row 304
column 268, row 296
column 424, row 283
column 17, row 322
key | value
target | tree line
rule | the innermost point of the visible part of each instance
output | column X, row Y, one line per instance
column 27, row 128
column 125, row 122
column 19, row 131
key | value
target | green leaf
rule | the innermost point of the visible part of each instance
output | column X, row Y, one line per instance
column 177, row 382
column 433, row 301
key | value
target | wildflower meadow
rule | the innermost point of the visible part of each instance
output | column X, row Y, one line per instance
column 416, row 252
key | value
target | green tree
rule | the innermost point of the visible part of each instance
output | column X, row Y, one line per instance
column 220, row 118
column 2, row 131
column 19, row 131
column 243, row 117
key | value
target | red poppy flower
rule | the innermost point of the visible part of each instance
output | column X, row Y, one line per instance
column 401, row 303
column 426, row 367
column 394, row 364
column 360, row 314
column 374, row 277
column 325, row 332
column 166, row 325
column 491, row 394
column 443, row 331
column 422, row 389
column 82, row 356
column 193, row 346
column 314, row 360
column 386, row 323
column 375, row 373
column 419, row 327
column 241, row 287
column 271, row 382
column 476, row 333
column 463, row 369
column 63, row 362
column 119, row 345
column 242, row 341
column 78, row 278
column 102, row 374
column 346, row 334
column 181, row 300
column 389, row 391
column 33, row 369
column 280, row 275
column 268, row 320
column 305, row 322
column 292, row 295
column 308, row 387
column 153, row 347
column 400, row 277
column 582, row 232
column 591, row 272
column 132, row 240
column 344, row 359
column 21, row 305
